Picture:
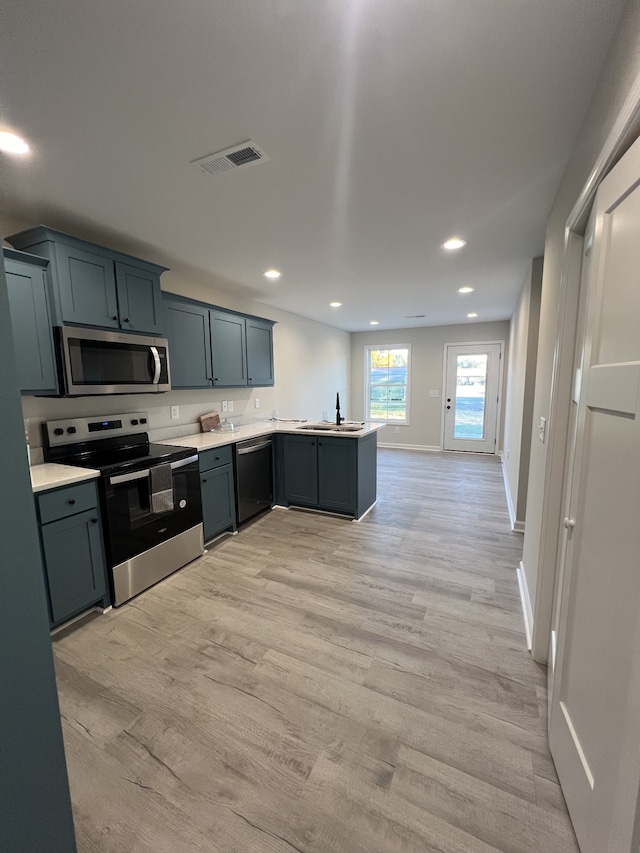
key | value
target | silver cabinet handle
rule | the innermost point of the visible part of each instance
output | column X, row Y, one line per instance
column 569, row 523
column 156, row 360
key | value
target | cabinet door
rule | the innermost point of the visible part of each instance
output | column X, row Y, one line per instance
column 139, row 304
column 259, row 352
column 228, row 349
column 337, row 474
column 300, row 469
column 218, row 501
column 74, row 564
column 87, row 287
column 31, row 324
column 186, row 327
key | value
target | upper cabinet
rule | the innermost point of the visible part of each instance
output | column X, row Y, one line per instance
column 228, row 349
column 94, row 286
column 30, row 321
column 211, row 347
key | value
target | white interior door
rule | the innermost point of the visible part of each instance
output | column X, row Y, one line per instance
column 595, row 710
column 472, row 387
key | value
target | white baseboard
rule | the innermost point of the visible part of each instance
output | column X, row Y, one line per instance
column 527, row 612
column 516, row 526
column 421, row 448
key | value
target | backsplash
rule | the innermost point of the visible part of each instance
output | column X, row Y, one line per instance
column 162, row 426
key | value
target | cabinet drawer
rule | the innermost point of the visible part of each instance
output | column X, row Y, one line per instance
column 215, row 457
column 67, row 501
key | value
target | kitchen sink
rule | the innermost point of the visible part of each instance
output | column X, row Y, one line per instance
column 332, row 427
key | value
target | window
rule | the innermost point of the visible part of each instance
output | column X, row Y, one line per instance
column 387, row 383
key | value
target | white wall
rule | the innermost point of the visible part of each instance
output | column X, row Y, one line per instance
column 426, row 373
column 519, row 397
column 311, row 363
column 544, row 498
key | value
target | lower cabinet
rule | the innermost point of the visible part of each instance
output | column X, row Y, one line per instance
column 329, row 473
column 218, row 492
column 72, row 548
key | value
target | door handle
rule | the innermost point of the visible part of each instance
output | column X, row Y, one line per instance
column 156, row 361
column 569, row 523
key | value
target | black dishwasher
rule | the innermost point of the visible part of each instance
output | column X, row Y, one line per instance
column 254, row 477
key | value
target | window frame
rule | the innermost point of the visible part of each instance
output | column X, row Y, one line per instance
column 406, row 421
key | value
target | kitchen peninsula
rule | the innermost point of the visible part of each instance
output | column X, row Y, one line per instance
column 318, row 466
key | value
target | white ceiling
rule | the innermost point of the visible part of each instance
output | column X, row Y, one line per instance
column 389, row 126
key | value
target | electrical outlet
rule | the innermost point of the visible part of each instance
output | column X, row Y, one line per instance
column 230, row 405
column 225, row 406
column 507, row 452
column 396, row 429
column 175, row 412
column 257, row 403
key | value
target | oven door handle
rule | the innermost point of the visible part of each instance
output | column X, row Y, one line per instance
column 140, row 475
column 156, row 361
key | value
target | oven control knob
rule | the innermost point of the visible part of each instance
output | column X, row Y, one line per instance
column 143, row 420
column 71, row 430
column 134, row 423
column 58, row 431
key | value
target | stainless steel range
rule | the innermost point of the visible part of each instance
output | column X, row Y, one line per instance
column 149, row 495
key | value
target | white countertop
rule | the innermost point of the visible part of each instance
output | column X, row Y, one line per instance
column 207, row 440
column 51, row 476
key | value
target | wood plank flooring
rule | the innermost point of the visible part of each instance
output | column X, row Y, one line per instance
column 322, row 686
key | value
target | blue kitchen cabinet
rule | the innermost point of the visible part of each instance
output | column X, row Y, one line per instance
column 211, row 347
column 259, row 338
column 73, row 552
column 228, row 349
column 218, row 492
column 300, row 470
column 186, row 327
column 327, row 472
column 139, row 299
column 337, row 474
column 31, row 322
column 95, row 286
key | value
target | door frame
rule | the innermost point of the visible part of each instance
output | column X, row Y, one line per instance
column 500, row 412
column 621, row 136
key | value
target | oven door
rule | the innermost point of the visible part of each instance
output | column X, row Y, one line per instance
column 132, row 526
column 98, row 362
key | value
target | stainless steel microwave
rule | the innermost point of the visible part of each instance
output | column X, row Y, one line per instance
column 91, row 361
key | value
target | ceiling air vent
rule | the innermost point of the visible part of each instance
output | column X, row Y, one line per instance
column 244, row 154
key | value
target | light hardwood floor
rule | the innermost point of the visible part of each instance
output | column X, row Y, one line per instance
column 318, row 685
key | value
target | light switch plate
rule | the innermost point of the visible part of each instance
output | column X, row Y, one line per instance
column 230, row 405
column 225, row 406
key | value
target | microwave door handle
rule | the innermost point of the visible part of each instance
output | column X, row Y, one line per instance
column 156, row 361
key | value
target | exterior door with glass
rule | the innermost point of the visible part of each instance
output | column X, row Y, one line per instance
column 472, row 390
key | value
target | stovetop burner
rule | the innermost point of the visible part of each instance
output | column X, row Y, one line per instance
column 107, row 445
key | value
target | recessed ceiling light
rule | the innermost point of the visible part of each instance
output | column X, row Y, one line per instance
column 465, row 290
column 335, row 304
column 272, row 274
column 473, row 314
column 454, row 243
column 12, row 144
column 374, row 323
